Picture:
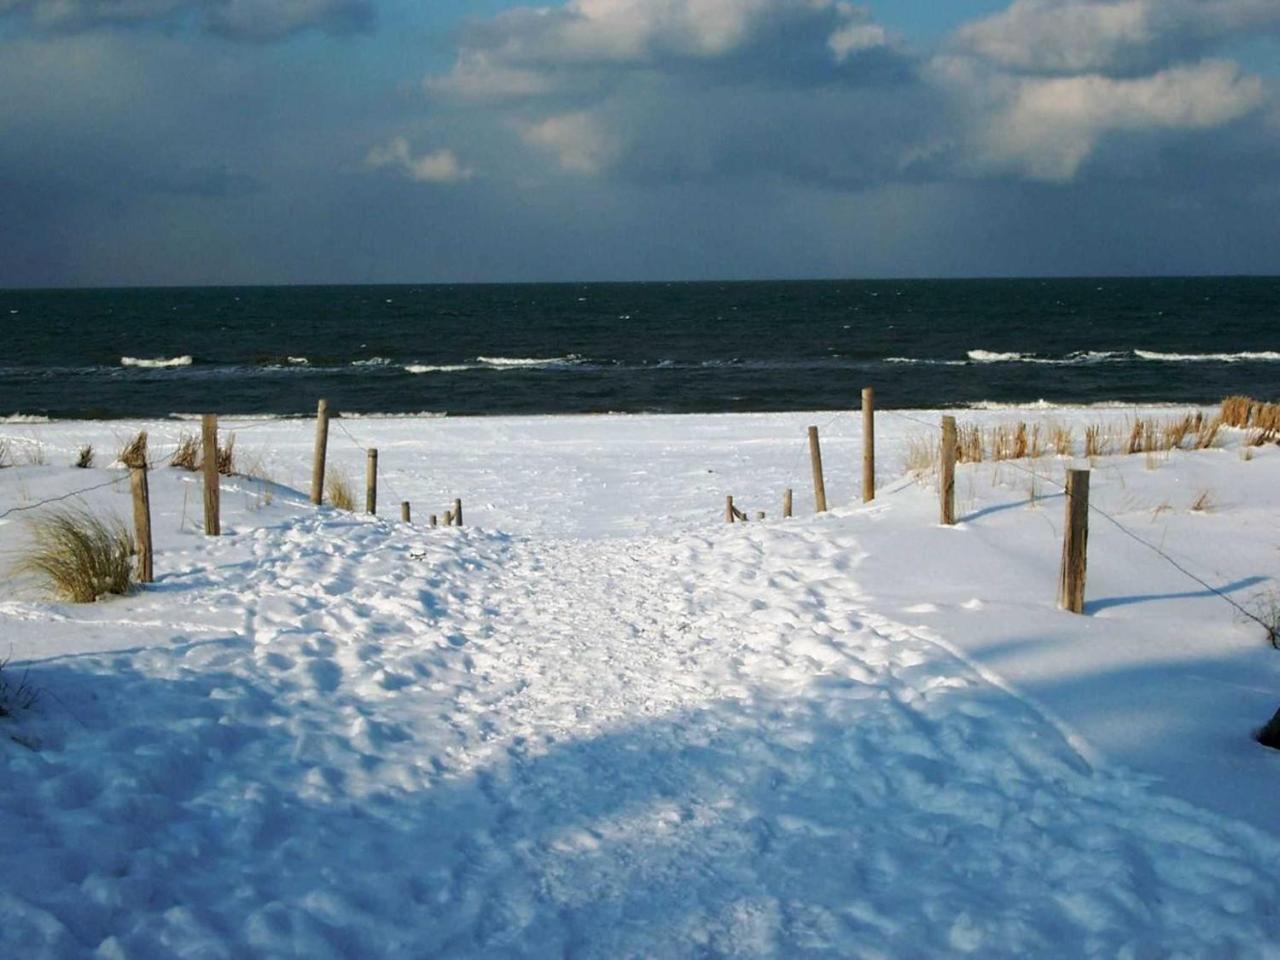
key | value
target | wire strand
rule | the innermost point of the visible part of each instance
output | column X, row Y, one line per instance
column 1093, row 508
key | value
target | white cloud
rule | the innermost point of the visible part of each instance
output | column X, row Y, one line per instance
column 440, row 166
column 578, row 140
column 855, row 38
column 1082, row 36
column 1050, row 126
column 530, row 51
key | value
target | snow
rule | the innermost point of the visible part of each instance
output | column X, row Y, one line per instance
column 598, row 721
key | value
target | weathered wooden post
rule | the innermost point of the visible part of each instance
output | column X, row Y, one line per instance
column 1075, row 542
column 371, row 483
column 212, row 488
column 322, row 445
column 433, row 520
column 868, row 444
column 815, row 458
column 404, row 512
column 728, row 510
column 947, row 469
column 786, row 502
column 457, row 512
column 142, row 522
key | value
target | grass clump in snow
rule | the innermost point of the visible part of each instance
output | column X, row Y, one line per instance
column 227, row 456
column 134, row 453
column 1269, row 736
column 339, row 491
column 187, row 454
column 82, row 556
column 6, row 454
column 14, row 696
column 84, row 458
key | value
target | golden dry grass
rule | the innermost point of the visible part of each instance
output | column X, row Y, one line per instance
column 187, row 454
column 84, row 457
column 922, row 454
column 339, row 491
column 227, row 456
column 80, row 555
column 134, row 453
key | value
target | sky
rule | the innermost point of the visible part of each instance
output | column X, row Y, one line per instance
column 349, row 141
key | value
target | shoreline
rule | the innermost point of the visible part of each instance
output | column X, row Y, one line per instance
column 979, row 406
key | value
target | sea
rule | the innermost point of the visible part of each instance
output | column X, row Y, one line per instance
column 636, row 347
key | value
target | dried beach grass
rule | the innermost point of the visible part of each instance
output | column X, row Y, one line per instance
column 187, row 454
column 134, row 453
column 339, row 491
column 82, row 556
column 84, row 458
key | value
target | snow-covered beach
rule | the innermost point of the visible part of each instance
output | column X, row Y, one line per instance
column 599, row 721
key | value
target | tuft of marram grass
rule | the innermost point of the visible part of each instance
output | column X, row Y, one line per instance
column 82, row 556
column 922, row 455
column 84, row 459
column 6, row 454
column 187, row 454
column 227, row 456
column 339, row 491
column 134, row 453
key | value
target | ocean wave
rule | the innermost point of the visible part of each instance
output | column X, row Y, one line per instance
column 1242, row 357
column 568, row 360
column 927, row 363
column 297, row 361
column 990, row 356
column 372, row 362
column 1050, row 405
column 442, row 368
column 152, row 364
column 25, row 418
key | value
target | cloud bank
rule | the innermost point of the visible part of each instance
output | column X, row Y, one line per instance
column 633, row 138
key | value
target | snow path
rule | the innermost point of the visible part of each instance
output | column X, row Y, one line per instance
column 364, row 743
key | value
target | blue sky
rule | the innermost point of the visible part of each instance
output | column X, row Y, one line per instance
column 299, row 141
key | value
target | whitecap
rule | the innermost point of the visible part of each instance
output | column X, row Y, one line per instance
column 443, row 368
column 1242, row 357
column 158, row 362
column 528, row 361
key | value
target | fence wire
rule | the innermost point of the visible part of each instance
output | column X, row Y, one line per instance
column 1114, row 521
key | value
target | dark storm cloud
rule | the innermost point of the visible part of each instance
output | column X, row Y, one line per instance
column 255, row 20
column 600, row 139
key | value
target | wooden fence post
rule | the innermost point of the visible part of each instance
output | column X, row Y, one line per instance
column 947, row 469
column 404, row 512
column 322, row 445
column 815, row 458
column 212, row 488
column 142, row 522
column 868, row 444
column 371, row 483
column 728, row 510
column 1075, row 542
column 433, row 520
column 457, row 512
column 786, row 502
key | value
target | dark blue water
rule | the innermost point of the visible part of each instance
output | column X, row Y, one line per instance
column 687, row 347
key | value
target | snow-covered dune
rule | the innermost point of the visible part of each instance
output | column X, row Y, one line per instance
column 597, row 721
